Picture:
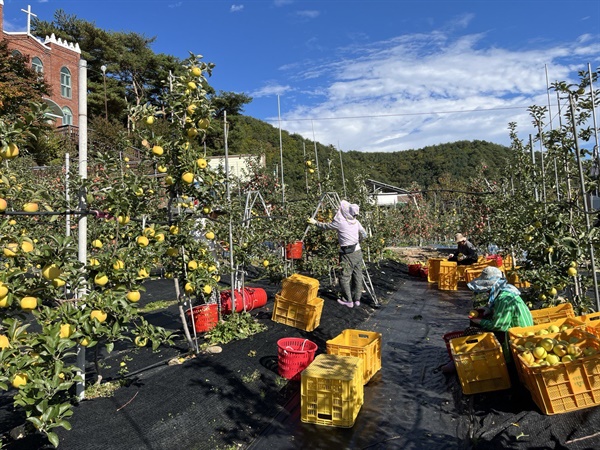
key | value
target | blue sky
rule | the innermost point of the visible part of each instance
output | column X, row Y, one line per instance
column 368, row 75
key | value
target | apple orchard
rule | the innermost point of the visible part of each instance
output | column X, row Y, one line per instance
column 149, row 204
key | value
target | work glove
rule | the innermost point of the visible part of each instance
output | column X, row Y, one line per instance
column 312, row 221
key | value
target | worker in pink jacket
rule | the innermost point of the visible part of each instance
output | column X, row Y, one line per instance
column 350, row 232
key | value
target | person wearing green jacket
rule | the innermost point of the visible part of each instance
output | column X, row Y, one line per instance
column 505, row 309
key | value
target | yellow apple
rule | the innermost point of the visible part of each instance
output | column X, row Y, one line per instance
column 187, row 177
column 98, row 315
column 133, row 296
column 31, row 207
column 201, row 163
column 28, row 303
column 158, row 150
column 100, row 279
column 66, row 330
column 51, row 271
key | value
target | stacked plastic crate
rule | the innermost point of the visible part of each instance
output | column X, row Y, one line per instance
column 297, row 304
column 332, row 389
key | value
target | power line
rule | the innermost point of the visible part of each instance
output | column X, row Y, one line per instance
column 374, row 116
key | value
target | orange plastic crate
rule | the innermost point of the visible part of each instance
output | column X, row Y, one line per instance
column 362, row 344
column 306, row 317
column 299, row 288
column 433, row 269
column 553, row 313
column 569, row 322
column 331, row 390
column 448, row 276
column 480, row 363
column 566, row 386
column 592, row 323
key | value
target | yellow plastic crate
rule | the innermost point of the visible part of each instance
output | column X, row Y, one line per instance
column 331, row 390
column 480, row 363
column 507, row 262
column 515, row 280
column 365, row 345
column 299, row 288
column 472, row 272
column 448, row 277
column 553, row 313
column 306, row 317
column 568, row 322
column 592, row 323
column 433, row 269
column 566, row 386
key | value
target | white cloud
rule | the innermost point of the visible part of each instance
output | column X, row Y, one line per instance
column 175, row 5
column 271, row 89
column 308, row 14
column 236, row 8
column 424, row 89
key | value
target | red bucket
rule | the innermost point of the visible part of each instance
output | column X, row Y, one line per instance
column 248, row 299
column 293, row 356
column 294, row 250
column 205, row 317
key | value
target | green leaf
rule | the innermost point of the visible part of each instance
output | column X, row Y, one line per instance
column 53, row 438
column 110, row 346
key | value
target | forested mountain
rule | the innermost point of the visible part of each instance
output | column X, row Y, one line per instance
column 456, row 160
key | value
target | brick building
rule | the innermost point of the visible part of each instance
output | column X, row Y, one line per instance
column 58, row 60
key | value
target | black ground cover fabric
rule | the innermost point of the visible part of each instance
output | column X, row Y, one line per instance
column 235, row 399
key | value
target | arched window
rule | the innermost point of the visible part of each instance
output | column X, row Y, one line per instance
column 37, row 65
column 65, row 82
column 67, row 116
column 15, row 53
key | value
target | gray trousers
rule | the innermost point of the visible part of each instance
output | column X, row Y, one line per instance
column 351, row 280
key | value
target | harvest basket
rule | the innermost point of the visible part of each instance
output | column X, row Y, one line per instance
column 561, row 323
column 299, row 288
column 480, row 363
column 433, row 269
column 205, row 316
column 566, row 386
column 306, row 317
column 592, row 323
column 449, row 336
column 365, row 345
column 448, row 277
column 332, row 391
column 293, row 356
column 553, row 313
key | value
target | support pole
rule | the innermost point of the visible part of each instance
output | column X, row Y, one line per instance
column 281, row 153
column 233, row 272
column 316, row 156
column 342, row 167
column 585, row 202
column 82, row 225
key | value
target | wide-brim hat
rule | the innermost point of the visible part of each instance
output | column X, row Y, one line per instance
column 460, row 238
column 488, row 278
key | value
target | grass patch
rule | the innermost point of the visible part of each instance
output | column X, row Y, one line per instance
column 158, row 305
column 234, row 327
column 102, row 390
